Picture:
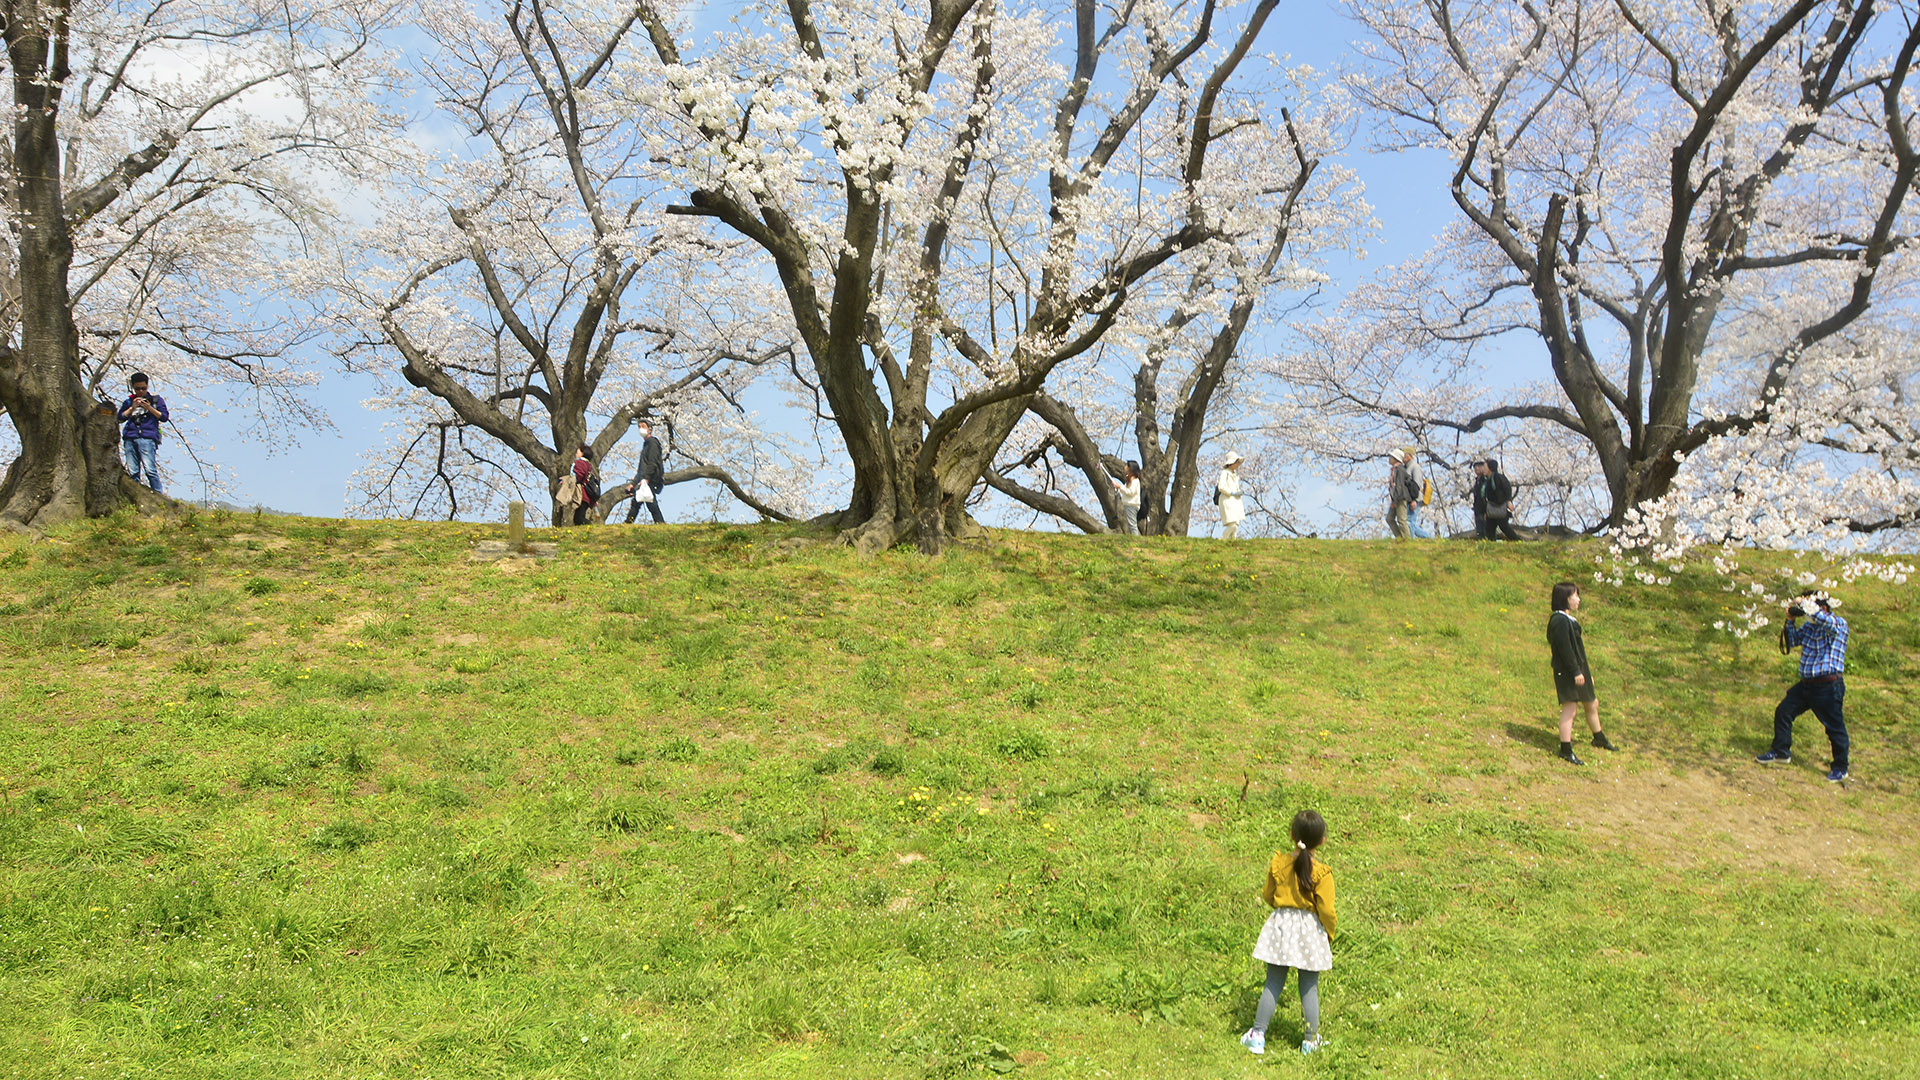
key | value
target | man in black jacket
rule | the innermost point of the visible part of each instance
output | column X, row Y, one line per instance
column 1493, row 501
column 651, row 474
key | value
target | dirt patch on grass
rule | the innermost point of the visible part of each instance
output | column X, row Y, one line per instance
column 697, row 824
column 1785, row 818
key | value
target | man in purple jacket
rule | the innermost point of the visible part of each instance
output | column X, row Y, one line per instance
column 141, row 416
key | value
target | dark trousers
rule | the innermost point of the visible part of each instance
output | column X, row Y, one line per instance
column 633, row 512
column 1488, row 527
column 1826, row 700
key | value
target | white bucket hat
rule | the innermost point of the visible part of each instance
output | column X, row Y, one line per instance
column 1232, row 459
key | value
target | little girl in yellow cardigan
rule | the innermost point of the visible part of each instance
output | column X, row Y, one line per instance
column 1299, row 933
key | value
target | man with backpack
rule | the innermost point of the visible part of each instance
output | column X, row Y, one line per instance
column 650, row 477
column 1403, row 493
column 1423, row 498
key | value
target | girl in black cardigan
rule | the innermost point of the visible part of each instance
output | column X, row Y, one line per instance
column 1572, row 679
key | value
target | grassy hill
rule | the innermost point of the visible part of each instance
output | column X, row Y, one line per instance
column 288, row 797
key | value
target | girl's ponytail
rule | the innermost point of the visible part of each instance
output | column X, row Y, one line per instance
column 1309, row 829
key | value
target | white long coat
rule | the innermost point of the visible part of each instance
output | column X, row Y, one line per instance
column 1232, row 509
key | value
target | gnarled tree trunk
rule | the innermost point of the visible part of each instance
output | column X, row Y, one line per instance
column 69, row 464
column 916, row 461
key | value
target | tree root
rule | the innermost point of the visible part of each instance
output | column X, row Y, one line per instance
column 874, row 535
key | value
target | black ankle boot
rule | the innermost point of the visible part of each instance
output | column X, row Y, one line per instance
column 1567, row 754
column 1600, row 741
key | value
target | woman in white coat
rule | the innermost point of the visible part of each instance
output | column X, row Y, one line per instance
column 1232, row 510
column 1129, row 491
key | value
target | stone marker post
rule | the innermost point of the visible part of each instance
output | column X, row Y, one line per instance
column 516, row 526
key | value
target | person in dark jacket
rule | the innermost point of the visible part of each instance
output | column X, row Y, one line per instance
column 1403, row 494
column 1479, row 495
column 1493, row 501
column 1572, row 679
column 140, row 417
column 649, row 478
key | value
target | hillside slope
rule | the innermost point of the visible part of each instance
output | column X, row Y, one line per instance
column 289, row 797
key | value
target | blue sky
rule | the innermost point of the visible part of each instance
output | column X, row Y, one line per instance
column 310, row 473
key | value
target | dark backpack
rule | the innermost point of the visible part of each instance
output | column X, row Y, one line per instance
column 1410, row 486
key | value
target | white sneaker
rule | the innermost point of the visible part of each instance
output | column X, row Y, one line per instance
column 1311, row 1045
column 1254, row 1041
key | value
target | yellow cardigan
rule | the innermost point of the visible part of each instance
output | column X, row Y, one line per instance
column 1282, row 890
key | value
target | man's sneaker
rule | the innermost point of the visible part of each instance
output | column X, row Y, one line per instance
column 1310, row 1046
column 1774, row 757
column 1836, row 776
column 1254, row 1041
column 1600, row 741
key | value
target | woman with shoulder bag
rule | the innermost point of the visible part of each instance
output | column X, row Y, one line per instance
column 1496, row 492
column 589, row 481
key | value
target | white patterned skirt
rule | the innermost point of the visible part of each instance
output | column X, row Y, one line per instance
column 1293, row 937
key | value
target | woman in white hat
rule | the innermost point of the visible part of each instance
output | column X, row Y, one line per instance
column 1226, row 492
column 1399, row 495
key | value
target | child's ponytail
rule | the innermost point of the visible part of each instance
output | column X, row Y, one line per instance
column 1309, row 829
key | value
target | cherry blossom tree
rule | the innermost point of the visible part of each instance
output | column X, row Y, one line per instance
column 1176, row 378
column 166, row 158
column 528, row 286
column 1835, row 468
column 1355, row 384
column 935, row 186
column 1686, row 204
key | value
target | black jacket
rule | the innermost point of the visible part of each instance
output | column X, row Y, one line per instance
column 1569, row 647
column 1493, row 489
column 1402, row 489
column 652, row 465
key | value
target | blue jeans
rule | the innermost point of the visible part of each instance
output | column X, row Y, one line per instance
column 143, row 455
column 1827, row 701
column 1413, row 522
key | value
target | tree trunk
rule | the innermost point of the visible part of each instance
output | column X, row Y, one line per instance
column 69, row 463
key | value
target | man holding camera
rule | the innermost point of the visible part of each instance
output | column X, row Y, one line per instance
column 1822, row 641
column 141, row 416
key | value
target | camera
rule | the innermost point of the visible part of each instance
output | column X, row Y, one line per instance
column 1797, row 611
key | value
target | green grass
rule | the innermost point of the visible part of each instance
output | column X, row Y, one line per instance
column 317, row 798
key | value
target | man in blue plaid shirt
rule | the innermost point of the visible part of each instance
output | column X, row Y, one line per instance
column 1822, row 642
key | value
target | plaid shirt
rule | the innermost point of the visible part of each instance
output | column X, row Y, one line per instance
column 1823, row 644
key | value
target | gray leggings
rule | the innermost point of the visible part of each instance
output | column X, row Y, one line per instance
column 1309, row 999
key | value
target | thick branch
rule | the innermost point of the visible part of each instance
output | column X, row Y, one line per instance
column 715, row 472
column 1065, row 509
